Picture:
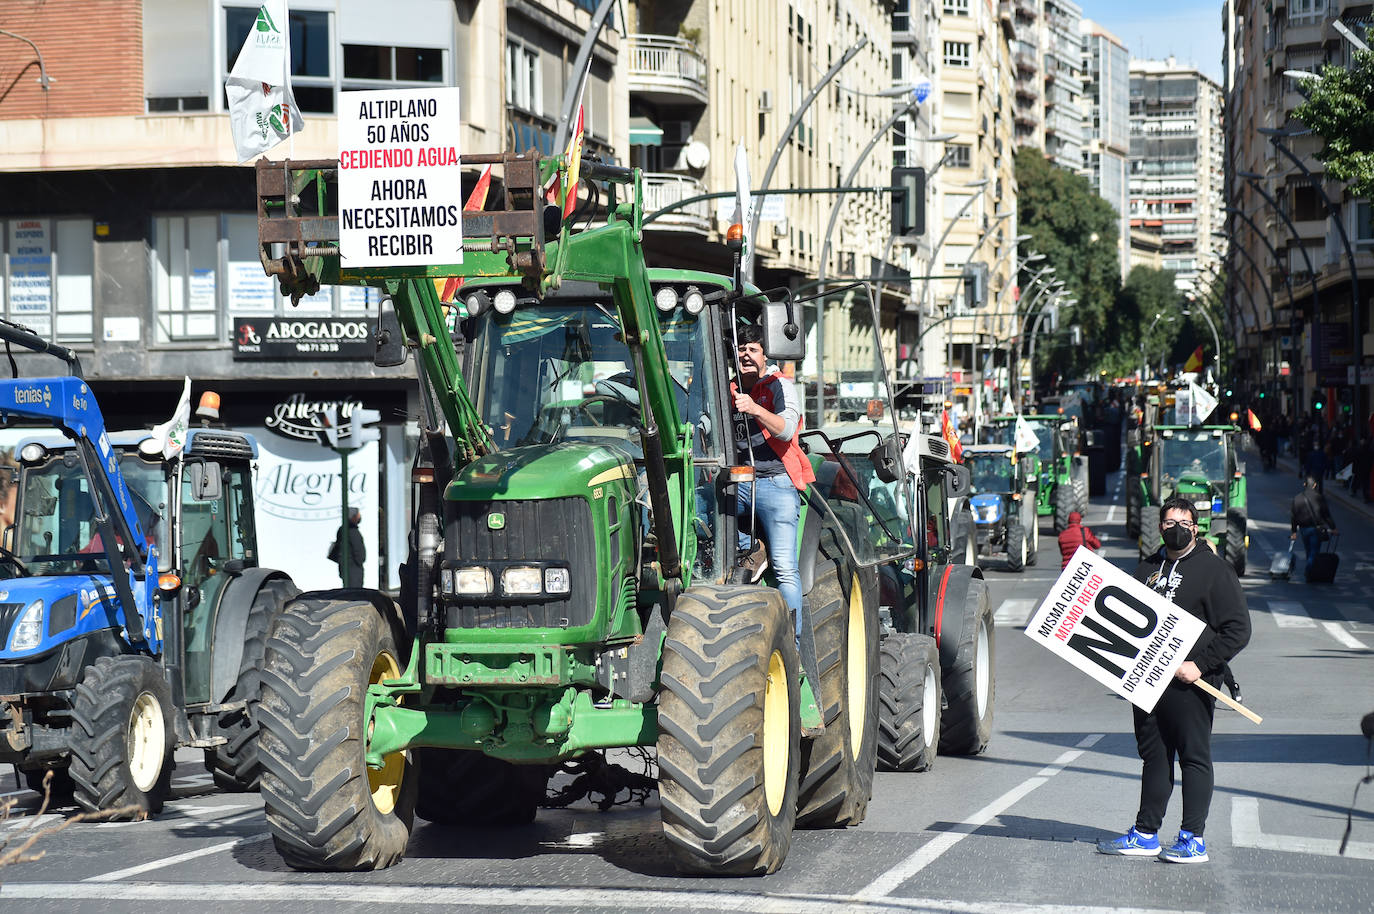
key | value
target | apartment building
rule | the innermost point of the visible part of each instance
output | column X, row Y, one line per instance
column 1106, row 70
column 974, row 220
column 138, row 232
column 1176, row 164
column 1298, row 324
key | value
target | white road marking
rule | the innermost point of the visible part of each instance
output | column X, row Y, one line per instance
column 1337, row 631
column 47, row 818
column 1014, row 612
column 1288, row 614
column 931, row 851
column 172, row 861
column 1246, row 832
column 574, row 898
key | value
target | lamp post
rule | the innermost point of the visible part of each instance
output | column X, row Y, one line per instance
column 1356, row 309
column 1144, row 365
column 998, row 218
column 1216, row 340
column 849, row 55
column 978, row 186
column 1054, row 302
column 1026, row 310
column 1254, row 180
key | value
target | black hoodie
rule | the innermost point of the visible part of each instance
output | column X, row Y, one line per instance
column 1206, row 586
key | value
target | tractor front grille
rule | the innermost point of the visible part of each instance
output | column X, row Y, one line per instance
column 9, row 614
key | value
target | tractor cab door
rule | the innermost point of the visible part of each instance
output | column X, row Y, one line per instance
column 215, row 527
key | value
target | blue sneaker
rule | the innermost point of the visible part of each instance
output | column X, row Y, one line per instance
column 1187, row 849
column 1131, row 844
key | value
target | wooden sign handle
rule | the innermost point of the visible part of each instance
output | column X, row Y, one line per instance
column 1227, row 700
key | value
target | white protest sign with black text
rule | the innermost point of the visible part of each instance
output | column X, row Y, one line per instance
column 1115, row 629
column 400, row 179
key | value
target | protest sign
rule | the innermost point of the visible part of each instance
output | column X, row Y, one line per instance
column 1114, row 628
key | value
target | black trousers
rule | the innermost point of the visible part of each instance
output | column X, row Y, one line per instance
column 1180, row 727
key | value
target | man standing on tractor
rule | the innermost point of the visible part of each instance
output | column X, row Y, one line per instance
column 767, row 417
column 1076, row 534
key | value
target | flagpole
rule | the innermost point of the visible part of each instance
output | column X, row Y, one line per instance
column 286, row 85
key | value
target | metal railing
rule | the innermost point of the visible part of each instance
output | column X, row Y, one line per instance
column 663, row 63
column 663, row 190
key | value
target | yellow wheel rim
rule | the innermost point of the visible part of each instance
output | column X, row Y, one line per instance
column 777, row 728
column 385, row 782
column 857, row 671
column 146, row 741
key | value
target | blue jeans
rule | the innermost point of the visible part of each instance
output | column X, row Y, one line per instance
column 776, row 509
column 1311, row 541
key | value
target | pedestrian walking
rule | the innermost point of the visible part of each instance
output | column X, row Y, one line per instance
column 352, row 576
column 1180, row 726
column 1310, row 517
column 1074, row 535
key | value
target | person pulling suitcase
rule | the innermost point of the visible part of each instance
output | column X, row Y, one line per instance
column 1310, row 515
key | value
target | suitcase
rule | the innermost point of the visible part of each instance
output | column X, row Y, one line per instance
column 1282, row 565
column 1325, row 563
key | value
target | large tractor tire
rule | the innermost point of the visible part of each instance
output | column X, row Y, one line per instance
column 468, row 788
column 1033, row 547
column 969, row 680
column 908, row 702
column 837, row 766
column 325, row 808
column 1236, row 523
column 1063, row 507
column 234, row 765
column 964, row 542
column 122, row 737
column 1133, row 507
column 729, row 731
column 1016, row 546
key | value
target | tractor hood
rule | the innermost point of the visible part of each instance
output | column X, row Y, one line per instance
column 987, row 508
column 70, row 604
column 542, row 471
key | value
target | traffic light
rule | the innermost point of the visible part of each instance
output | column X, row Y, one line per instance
column 909, row 203
column 360, row 430
column 1318, row 401
column 975, row 285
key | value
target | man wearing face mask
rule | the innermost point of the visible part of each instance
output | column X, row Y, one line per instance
column 1198, row 581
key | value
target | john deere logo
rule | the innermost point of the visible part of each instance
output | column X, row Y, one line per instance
column 496, row 521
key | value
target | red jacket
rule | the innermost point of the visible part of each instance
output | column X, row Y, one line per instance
column 1076, row 535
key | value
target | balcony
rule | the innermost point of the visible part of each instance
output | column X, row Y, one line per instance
column 666, row 70
column 662, row 190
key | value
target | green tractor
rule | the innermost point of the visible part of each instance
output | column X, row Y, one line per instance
column 1061, row 471
column 1199, row 463
column 572, row 583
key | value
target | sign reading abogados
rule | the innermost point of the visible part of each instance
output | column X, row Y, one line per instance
column 1115, row 629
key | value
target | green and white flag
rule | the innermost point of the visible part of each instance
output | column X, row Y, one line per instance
column 262, row 109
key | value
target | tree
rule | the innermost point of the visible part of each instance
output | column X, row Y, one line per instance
column 1147, row 292
column 1076, row 230
column 1340, row 109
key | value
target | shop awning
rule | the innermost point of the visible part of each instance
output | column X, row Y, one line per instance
column 643, row 132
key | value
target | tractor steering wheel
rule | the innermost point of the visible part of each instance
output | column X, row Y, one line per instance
column 9, row 558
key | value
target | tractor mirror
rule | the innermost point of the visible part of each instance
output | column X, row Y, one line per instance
column 887, row 459
column 205, row 481
column 782, row 335
column 960, row 480
column 391, row 347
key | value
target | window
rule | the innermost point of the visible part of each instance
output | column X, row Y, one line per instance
column 379, row 63
column 959, row 104
column 1364, row 224
column 956, row 7
column 957, row 54
column 959, row 155
column 48, row 277
column 1306, row 11
column 954, row 207
column 312, row 77
column 522, row 77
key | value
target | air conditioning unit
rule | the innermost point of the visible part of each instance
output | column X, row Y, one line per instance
column 765, row 101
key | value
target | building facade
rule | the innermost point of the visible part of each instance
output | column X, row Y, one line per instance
column 1299, row 326
column 1107, row 127
column 1176, row 164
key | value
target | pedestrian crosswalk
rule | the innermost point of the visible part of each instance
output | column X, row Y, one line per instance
column 1355, row 630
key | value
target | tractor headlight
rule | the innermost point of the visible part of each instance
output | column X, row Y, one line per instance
column 28, row 631
column 1205, row 505
column 521, row 581
column 473, row 581
column 557, row 580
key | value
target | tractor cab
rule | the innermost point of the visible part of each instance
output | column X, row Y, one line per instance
column 1200, row 464
column 1003, row 502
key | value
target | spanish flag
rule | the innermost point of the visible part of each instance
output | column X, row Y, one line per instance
column 1253, row 420
column 447, row 287
column 1194, row 362
column 951, row 436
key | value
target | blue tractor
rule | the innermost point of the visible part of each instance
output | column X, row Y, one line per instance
column 1003, row 503
column 133, row 613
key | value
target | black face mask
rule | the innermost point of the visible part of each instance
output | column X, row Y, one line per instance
column 1177, row 537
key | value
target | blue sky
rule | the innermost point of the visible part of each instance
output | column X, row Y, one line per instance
column 1190, row 30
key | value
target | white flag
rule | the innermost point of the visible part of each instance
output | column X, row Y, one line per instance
column 1026, row 440
column 744, row 204
column 262, row 109
column 172, row 433
column 1203, row 403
